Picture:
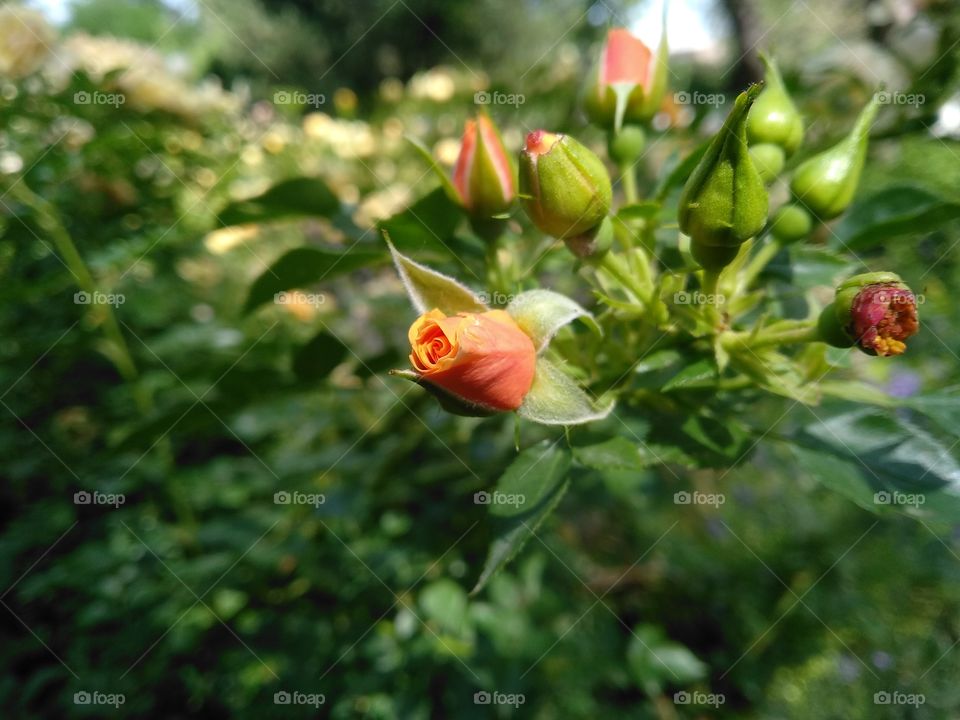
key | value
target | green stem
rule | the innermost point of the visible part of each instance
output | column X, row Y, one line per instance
column 801, row 332
column 629, row 179
column 614, row 265
column 48, row 221
column 759, row 261
column 710, row 287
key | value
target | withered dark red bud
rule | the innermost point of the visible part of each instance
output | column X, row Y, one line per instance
column 882, row 317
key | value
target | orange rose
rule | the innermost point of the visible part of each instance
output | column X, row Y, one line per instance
column 482, row 358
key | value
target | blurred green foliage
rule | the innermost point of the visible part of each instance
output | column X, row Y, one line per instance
column 204, row 593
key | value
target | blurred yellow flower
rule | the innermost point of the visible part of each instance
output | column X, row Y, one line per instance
column 25, row 41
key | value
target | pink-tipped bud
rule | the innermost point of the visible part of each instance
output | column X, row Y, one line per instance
column 483, row 175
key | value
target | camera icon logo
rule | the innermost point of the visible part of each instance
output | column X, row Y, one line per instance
column 281, row 498
column 481, row 698
column 81, row 698
column 81, row 97
column 881, row 698
column 681, row 98
column 681, row 498
column 882, row 498
column 281, row 97
column 481, row 97
column 281, row 697
column 481, row 498
column 82, row 498
column 81, row 298
column 681, row 698
column 681, row 298
column 884, row 97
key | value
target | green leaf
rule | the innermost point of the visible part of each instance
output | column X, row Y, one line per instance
column 555, row 399
column 541, row 313
column 315, row 360
column 445, row 183
column 298, row 197
column 814, row 266
column 655, row 661
column 429, row 289
column 445, row 603
column 700, row 374
column 891, row 455
column 305, row 266
column 426, row 226
column 539, row 474
column 617, row 453
column 647, row 210
column 892, row 213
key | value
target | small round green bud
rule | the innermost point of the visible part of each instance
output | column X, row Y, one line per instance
column 768, row 159
column 593, row 244
column 626, row 146
column 791, row 223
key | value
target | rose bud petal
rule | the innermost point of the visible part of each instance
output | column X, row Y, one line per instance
column 481, row 358
column 877, row 312
column 483, row 175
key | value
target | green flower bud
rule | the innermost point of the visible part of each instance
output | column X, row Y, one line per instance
column 827, row 182
column 791, row 223
column 724, row 203
column 626, row 146
column 483, row 176
column 713, row 257
column 774, row 118
column 877, row 312
column 564, row 187
column 768, row 159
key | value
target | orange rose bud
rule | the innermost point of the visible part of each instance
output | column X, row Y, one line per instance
column 628, row 81
column 483, row 175
column 484, row 359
